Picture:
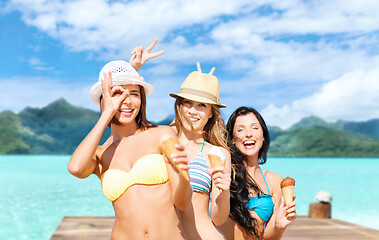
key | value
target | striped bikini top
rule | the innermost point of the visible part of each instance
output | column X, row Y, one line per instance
column 200, row 179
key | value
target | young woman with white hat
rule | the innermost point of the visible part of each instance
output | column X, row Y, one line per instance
column 201, row 130
column 144, row 188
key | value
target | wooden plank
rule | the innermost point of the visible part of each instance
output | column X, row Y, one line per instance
column 304, row 228
column 84, row 228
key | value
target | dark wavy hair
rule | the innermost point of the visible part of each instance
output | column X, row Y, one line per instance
column 242, row 182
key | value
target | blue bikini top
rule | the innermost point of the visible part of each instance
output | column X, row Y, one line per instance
column 200, row 179
column 262, row 205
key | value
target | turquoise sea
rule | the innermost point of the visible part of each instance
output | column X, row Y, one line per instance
column 37, row 191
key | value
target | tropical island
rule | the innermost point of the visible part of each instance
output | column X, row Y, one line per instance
column 59, row 127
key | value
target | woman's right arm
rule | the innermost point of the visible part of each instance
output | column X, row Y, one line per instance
column 180, row 186
column 83, row 160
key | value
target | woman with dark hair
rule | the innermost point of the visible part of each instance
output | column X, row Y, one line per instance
column 145, row 190
column 257, row 209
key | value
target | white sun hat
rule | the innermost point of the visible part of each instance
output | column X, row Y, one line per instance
column 122, row 73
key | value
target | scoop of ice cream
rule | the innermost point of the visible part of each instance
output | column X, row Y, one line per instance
column 287, row 182
column 217, row 151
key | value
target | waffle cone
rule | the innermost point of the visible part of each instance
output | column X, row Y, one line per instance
column 167, row 146
column 215, row 161
column 288, row 194
column 288, row 187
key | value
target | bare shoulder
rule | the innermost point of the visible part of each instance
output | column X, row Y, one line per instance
column 160, row 131
column 225, row 152
column 272, row 177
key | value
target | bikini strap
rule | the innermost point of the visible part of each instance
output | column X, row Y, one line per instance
column 202, row 147
column 268, row 189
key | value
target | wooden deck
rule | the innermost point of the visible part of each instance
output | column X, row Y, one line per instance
column 304, row 228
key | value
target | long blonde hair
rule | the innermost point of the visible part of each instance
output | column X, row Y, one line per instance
column 214, row 130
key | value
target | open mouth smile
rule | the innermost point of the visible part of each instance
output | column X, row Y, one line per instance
column 249, row 143
column 126, row 112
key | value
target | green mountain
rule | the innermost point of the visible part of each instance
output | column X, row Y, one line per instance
column 368, row 128
column 59, row 127
column 55, row 129
column 10, row 134
column 312, row 136
column 310, row 121
column 323, row 142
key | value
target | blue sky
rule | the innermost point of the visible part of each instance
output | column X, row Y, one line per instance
column 288, row 59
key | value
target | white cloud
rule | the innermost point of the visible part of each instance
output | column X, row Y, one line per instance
column 37, row 64
column 353, row 96
column 97, row 24
column 271, row 57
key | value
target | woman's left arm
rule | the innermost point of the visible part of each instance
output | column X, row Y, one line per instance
column 220, row 195
column 282, row 215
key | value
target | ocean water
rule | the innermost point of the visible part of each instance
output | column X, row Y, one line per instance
column 37, row 191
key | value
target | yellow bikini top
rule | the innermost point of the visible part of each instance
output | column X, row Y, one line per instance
column 148, row 170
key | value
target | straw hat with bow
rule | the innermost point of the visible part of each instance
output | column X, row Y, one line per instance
column 200, row 87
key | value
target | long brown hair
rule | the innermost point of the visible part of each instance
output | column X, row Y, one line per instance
column 242, row 182
column 214, row 130
column 141, row 121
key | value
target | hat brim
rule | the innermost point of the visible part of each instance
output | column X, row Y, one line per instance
column 97, row 90
column 196, row 98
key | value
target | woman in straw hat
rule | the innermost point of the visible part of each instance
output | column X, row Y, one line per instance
column 144, row 189
column 256, row 206
column 201, row 130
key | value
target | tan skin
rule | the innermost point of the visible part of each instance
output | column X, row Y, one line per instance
column 142, row 212
column 248, row 138
column 195, row 218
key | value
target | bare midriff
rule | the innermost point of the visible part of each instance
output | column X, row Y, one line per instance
column 145, row 212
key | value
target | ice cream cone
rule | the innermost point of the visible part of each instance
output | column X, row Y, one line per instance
column 288, row 187
column 167, row 146
column 216, row 157
column 216, row 161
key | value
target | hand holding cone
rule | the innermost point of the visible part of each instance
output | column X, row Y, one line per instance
column 216, row 158
column 288, row 187
column 167, row 146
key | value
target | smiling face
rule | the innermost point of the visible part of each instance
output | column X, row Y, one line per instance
column 130, row 107
column 248, row 134
column 198, row 114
